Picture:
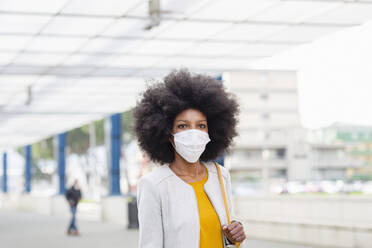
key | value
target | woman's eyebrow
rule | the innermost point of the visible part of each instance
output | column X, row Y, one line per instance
column 182, row 120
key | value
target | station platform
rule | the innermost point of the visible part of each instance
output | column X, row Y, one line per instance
column 30, row 230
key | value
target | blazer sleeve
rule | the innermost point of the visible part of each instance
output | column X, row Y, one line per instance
column 229, row 195
column 149, row 215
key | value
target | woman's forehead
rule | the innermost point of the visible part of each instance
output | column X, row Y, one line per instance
column 191, row 115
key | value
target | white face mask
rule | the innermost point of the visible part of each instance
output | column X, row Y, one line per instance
column 190, row 144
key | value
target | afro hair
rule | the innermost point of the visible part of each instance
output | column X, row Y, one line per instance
column 181, row 90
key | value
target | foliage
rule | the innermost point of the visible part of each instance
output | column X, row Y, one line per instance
column 43, row 149
column 78, row 140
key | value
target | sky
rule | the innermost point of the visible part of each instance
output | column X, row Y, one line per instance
column 334, row 77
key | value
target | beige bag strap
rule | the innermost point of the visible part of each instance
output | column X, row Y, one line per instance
column 223, row 194
column 224, row 197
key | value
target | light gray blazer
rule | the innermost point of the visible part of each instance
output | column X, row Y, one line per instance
column 168, row 210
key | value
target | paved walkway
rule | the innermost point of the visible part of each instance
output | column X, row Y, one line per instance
column 28, row 230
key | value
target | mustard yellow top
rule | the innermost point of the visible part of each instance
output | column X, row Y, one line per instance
column 210, row 227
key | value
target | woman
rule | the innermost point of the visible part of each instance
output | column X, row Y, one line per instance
column 186, row 122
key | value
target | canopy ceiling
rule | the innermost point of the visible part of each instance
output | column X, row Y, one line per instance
column 64, row 63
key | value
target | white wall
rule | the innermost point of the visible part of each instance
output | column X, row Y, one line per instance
column 315, row 221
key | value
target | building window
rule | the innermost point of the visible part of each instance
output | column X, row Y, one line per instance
column 264, row 96
column 280, row 153
column 265, row 116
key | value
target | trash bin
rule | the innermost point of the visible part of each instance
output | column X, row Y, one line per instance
column 132, row 213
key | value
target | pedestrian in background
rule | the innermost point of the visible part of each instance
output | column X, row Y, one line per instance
column 73, row 196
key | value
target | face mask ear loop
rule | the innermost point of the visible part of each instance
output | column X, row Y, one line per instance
column 170, row 140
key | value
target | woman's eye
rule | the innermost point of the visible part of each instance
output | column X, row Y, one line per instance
column 202, row 126
column 181, row 126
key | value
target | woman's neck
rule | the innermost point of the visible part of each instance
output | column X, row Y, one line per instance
column 185, row 169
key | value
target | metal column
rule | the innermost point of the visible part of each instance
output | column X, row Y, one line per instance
column 5, row 173
column 115, row 145
column 221, row 159
column 28, row 169
column 61, row 162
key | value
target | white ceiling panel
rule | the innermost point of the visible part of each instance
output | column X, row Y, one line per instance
column 108, row 72
column 233, row 10
column 76, row 25
column 259, row 49
column 16, row 81
column 13, row 43
column 247, row 32
column 140, row 10
column 208, row 49
column 348, row 13
column 70, row 71
column 83, row 59
column 105, row 45
column 134, row 61
column 182, row 8
column 6, row 57
column 303, row 34
column 192, row 30
column 24, row 69
column 95, row 7
column 39, row 59
column 46, row 6
column 178, row 62
column 293, row 12
column 161, row 47
column 21, row 24
column 135, row 28
column 53, row 44
column 128, row 27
